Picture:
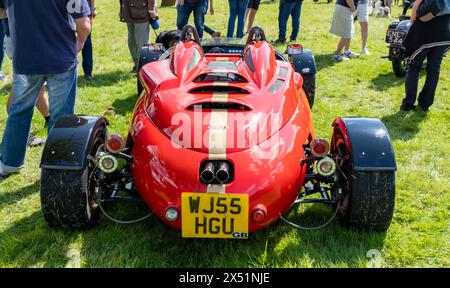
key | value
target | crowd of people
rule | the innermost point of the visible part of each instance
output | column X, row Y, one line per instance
column 45, row 73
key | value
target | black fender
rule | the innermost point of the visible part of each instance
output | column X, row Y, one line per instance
column 147, row 55
column 304, row 63
column 70, row 140
column 368, row 142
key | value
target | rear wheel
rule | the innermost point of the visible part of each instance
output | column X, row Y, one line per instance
column 69, row 198
column 369, row 201
column 309, row 86
column 399, row 67
column 368, row 196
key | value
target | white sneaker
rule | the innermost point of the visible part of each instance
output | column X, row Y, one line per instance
column 351, row 54
column 340, row 58
column 365, row 51
column 3, row 77
column 3, row 174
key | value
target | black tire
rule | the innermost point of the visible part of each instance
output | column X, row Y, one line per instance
column 68, row 197
column 309, row 86
column 399, row 67
column 369, row 201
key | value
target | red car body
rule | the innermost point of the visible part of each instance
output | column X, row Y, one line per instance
column 163, row 170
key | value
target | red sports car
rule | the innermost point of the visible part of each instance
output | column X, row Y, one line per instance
column 221, row 144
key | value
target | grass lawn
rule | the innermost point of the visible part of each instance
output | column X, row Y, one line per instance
column 419, row 235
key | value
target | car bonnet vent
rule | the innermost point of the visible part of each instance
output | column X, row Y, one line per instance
column 219, row 89
column 216, row 105
column 220, row 77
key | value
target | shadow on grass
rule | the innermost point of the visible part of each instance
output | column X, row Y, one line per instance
column 125, row 106
column 324, row 60
column 15, row 196
column 385, row 81
column 153, row 244
column 100, row 80
column 30, row 242
column 105, row 79
column 404, row 125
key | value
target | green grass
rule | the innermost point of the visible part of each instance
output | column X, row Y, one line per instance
column 418, row 236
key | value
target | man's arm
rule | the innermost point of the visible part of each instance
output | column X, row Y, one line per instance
column 351, row 4
column 83, row 28
column 3, row 13
column 427, row 10
column 152, row 9
column 414, row 10
column 93, row 9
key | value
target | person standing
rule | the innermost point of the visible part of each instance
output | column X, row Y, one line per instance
column 428, row 38
column 47, row 27
column 288, row 8
column 3, row 17
column 87, row 53
column 342, row 26
column 184, row 10
column 137, row 14
column 252, row 9
column 237, row 10
column 207, row 29
column 362, row 14
column 42, row 101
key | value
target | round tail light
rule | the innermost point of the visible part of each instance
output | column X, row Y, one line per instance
column 115, row 143
column 319, row 147
column 258, row 215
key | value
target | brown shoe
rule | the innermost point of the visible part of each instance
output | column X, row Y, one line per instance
column 216, row 35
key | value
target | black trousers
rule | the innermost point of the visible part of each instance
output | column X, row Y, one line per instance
column 434, row 57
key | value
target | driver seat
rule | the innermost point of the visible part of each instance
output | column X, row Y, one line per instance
column 187, row 55
column 260, row 62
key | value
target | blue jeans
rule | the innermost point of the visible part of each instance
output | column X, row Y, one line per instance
column 237, row 9
column 205, row 10
column 293, row 9
column 185, row 10
column 88, row 60
column 62, row 90
column 2, row 39
column 208, row 30
column 426, row 96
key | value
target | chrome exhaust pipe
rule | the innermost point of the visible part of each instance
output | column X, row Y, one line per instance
column 207, row 176
column 223, row 173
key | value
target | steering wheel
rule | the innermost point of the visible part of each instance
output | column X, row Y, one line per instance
column 187, row 33
column 256, row 34
column 216, row 50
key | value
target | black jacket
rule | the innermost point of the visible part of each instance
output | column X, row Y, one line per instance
column 421, row 35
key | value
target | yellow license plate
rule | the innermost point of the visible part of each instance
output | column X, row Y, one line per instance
column 205, row 215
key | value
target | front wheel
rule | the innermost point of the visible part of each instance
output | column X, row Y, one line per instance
column 399, row 67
